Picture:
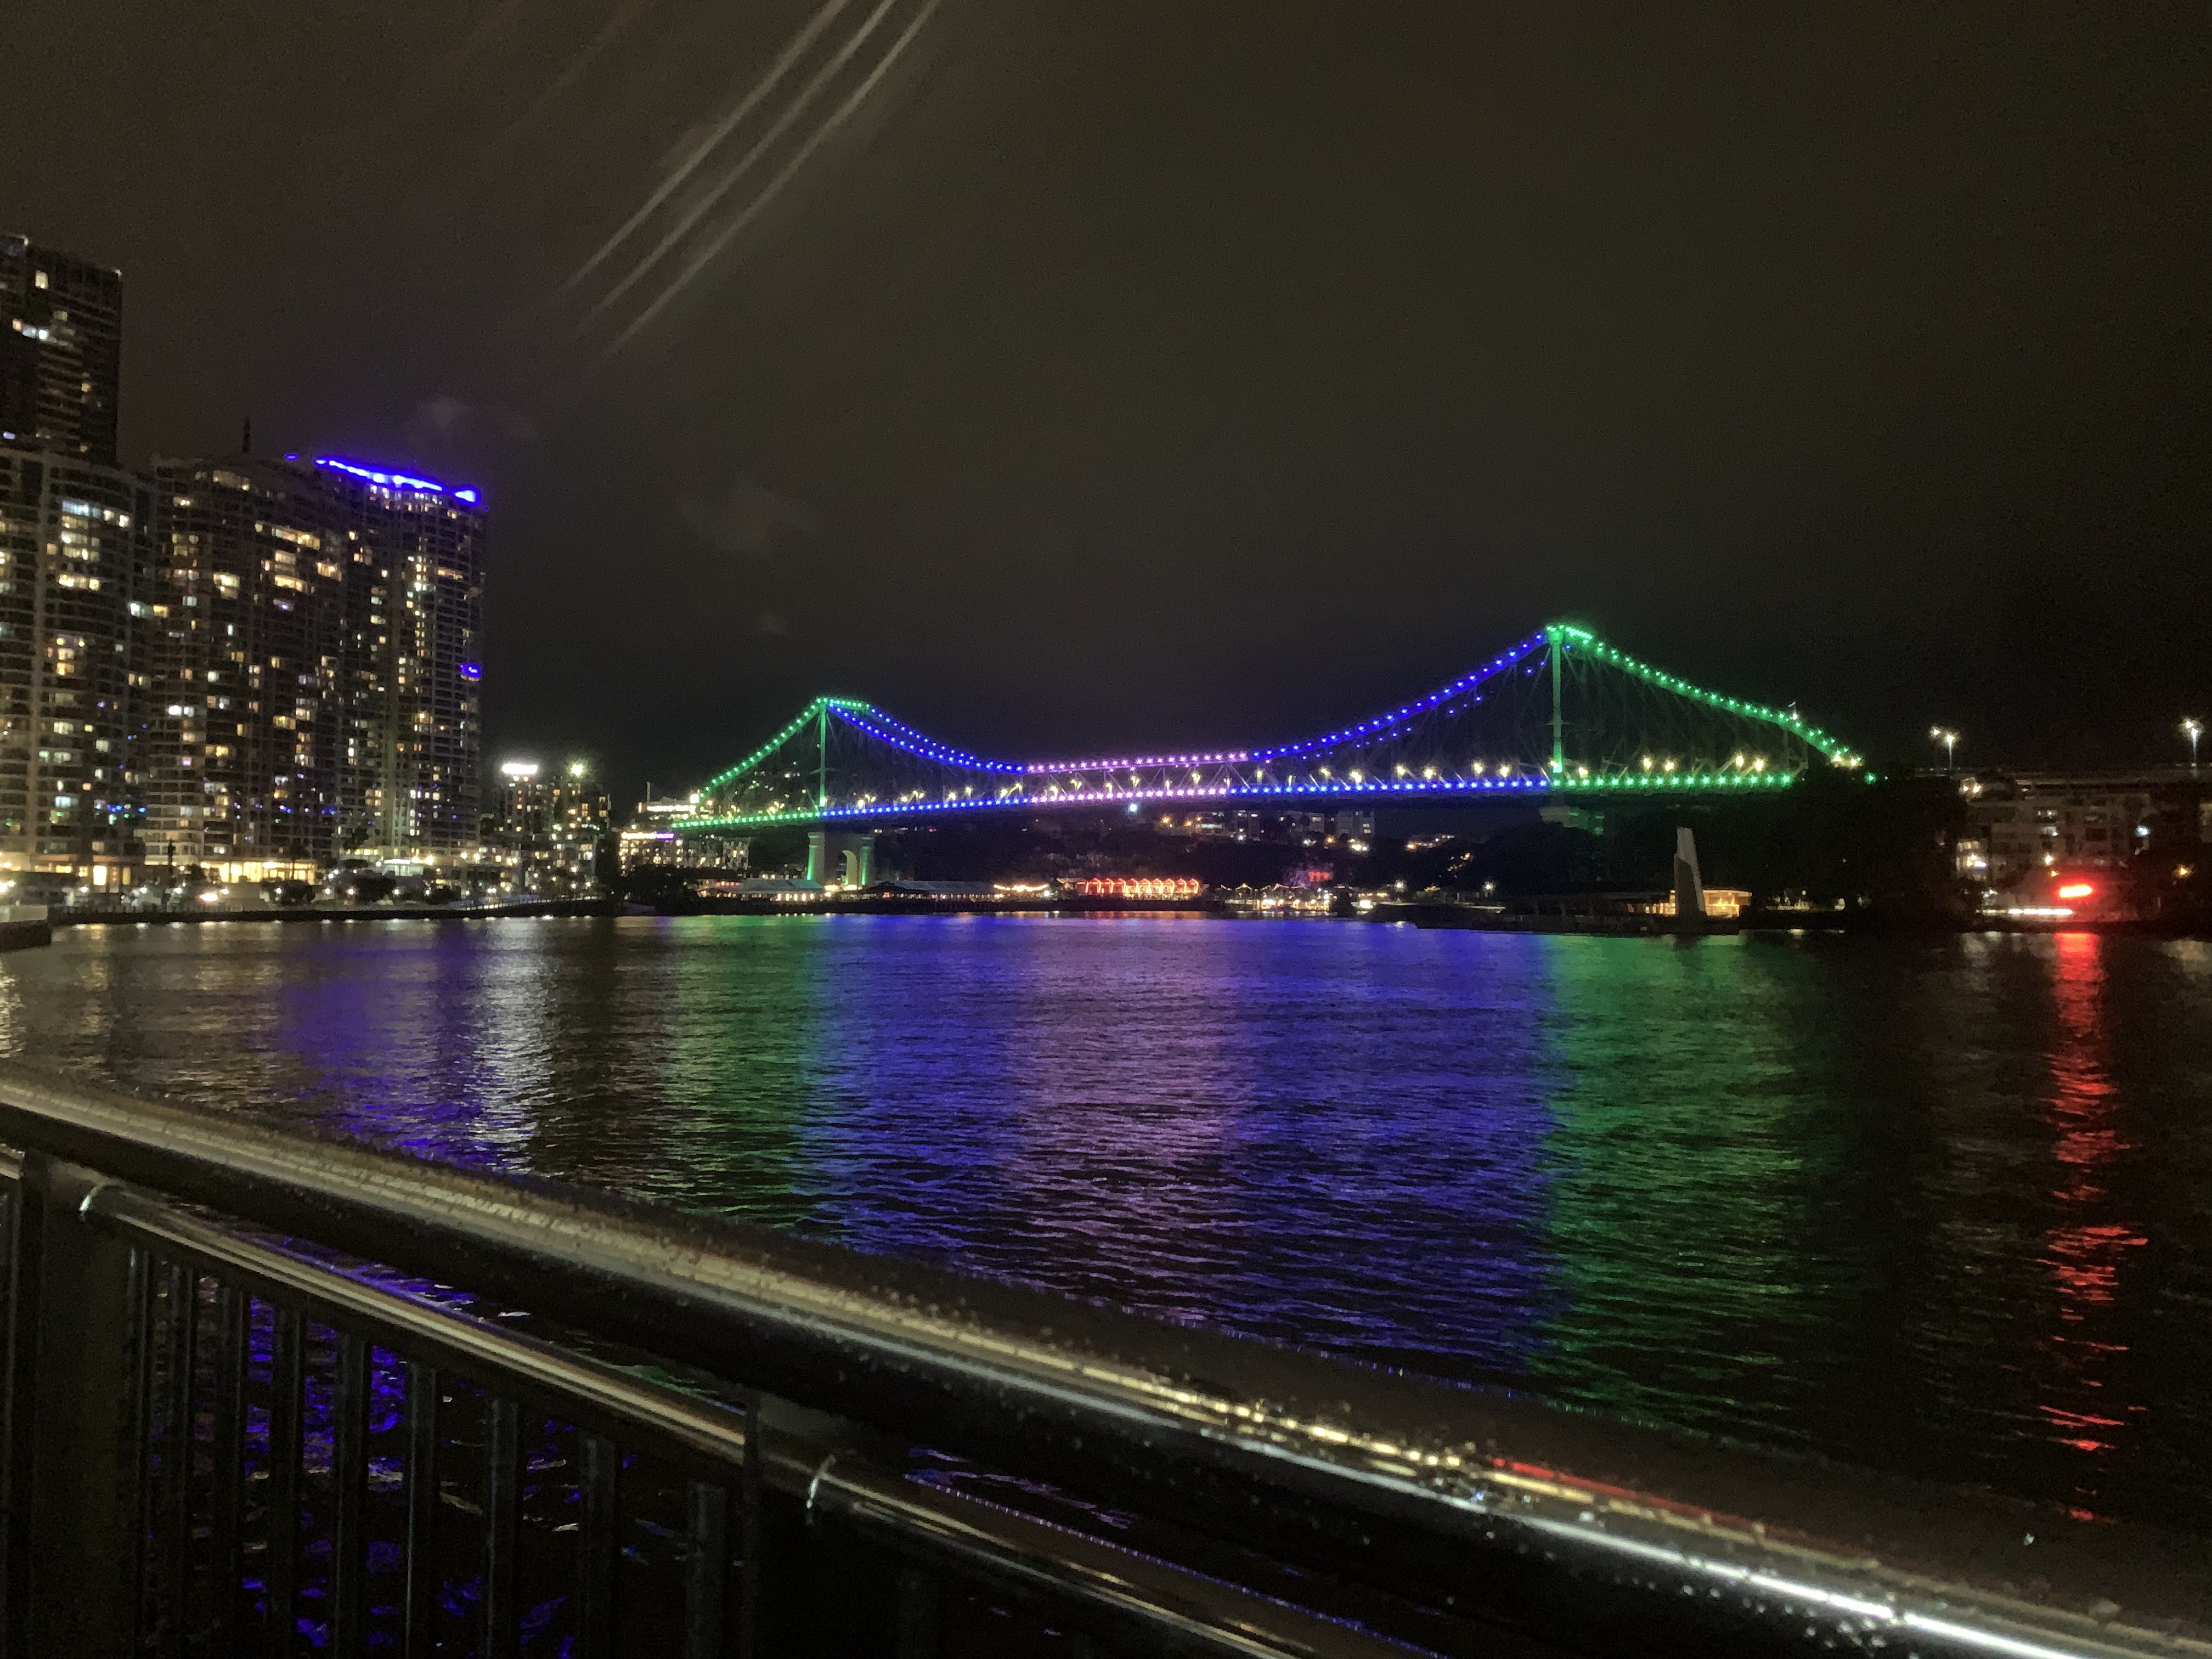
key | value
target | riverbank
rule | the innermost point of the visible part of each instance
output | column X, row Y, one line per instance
column 336, row 913
column 762, row 905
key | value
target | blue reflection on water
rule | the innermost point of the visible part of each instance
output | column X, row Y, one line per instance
column 1175, row 1121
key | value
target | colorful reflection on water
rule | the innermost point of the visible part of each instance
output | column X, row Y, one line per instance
column 1940, row 1205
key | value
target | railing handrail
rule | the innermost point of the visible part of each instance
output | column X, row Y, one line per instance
column 1117, row 1398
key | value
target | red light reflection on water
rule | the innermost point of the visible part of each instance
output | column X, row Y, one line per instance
column 2085, row 1257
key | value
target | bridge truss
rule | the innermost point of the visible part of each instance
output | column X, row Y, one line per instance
column 1561, row 713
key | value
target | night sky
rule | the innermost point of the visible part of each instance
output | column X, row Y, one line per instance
column 1168, row 371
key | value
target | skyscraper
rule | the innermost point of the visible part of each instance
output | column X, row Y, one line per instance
column 241, row 763
column 413, row 603
column 312, row 679
column 74, row 554
column 61, row 351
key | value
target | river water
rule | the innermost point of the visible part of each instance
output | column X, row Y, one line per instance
column 1939, row 1205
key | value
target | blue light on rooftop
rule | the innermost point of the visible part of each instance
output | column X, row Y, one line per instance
column 395, row 480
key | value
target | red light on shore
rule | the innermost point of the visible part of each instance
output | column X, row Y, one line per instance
column 2077, row 889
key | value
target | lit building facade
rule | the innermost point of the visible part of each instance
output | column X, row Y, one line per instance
column 241, row 749
column 61, row 351
column 650, row 839
column 414, row 607
column 311, row 680
column 550, row 830
column 2017, row 824
column 75, row 546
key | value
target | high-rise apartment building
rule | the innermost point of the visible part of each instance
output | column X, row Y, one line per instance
column 241, row 761
column 414, row 605
column 61, row 351
column 313, row 681
column 74, row 550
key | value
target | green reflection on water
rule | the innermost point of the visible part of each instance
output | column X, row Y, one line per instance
column 1683, row 1150
column 752, row 1004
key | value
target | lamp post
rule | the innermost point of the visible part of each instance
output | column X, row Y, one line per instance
column 1949, row 740
column 2192, row 730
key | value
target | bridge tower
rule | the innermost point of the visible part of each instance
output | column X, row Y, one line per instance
column 1555, row 634
column 841, row 855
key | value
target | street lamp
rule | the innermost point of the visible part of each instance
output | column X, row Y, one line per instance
column 1949, row 740
column 2192, row 730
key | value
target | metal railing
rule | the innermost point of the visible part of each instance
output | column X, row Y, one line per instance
column 273, row 1393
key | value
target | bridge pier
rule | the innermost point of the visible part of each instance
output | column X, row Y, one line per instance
column 1689, row 881
column 838, row 855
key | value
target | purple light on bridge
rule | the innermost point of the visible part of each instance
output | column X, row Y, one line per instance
column 1149, row 760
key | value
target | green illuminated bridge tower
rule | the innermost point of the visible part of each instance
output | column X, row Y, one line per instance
column 1562, row 714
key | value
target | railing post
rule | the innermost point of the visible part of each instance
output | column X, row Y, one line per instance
column 73, row 1463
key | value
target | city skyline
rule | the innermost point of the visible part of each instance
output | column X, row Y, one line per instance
column 362, row 615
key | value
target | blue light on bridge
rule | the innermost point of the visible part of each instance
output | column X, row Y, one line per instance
column 1442, row 770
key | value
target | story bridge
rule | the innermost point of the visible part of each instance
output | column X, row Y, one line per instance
column 1561, row 713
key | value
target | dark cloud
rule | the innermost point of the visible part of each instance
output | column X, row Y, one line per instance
column 751, row 519
column 445, row 422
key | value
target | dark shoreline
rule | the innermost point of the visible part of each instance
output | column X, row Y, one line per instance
column 1762, row 922
column 1412, row 914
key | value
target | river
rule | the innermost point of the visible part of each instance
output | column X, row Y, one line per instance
column 1939, row 1205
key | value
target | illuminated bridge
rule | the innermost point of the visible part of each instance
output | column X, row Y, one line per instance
column 1561, row 713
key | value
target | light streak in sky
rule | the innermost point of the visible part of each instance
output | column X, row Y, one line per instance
column 619, row 23
column 823, row 16
column 835, row 119
column 729, row 180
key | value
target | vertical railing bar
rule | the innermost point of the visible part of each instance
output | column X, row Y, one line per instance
column 225, row 1553
column 71, row 1500
column 707, row 1576
column 349, row 1495
column 11, row 1206
column 286, row 1382
column 502, row 1525
column 751, row 1528
column 595, row 1575
column 178, row 1447
column 422, row 1567
column 145, row 1266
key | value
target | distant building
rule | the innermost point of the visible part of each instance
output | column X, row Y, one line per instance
column 61, row 351
column 650, row 839
column 549, row 829
column 2019, row 823
column 74, row 552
